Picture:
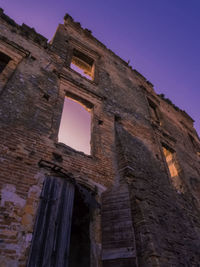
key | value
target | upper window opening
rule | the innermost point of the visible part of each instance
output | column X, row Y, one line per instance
column 82, row 64
column 153, row 111
column 75, row 125
column 4, row 59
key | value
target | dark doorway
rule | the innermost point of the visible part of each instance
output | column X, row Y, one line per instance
column 61, row 234
column 79, row 254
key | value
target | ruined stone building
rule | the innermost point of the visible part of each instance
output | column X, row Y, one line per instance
column 132, row 200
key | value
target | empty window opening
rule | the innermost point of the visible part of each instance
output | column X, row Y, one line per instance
column 170, row 162
column 4, row 59
column 82, row 64
column 153, row 111
column 75, row 125
column 79, row 254
column 172, row 166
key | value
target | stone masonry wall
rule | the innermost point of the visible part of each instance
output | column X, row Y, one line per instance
column 126, row 147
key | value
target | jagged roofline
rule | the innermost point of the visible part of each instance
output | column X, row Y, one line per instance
column 31, row 33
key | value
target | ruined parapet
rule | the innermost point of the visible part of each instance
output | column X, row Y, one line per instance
column 24, row 30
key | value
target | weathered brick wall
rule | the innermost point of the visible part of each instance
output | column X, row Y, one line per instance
column 31, row 99
column 166, row 222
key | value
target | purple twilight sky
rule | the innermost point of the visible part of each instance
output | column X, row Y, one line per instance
column 161, row 38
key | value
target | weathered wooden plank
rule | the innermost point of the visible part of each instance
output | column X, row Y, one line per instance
column 42, row 224
column 50, row 245
column 64, row 225
column 54, row 205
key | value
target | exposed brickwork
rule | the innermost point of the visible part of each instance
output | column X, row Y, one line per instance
column 158, row 222
column 118, row 238
column 166, row 222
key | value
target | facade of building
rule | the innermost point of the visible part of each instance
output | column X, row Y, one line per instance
column 134, row 200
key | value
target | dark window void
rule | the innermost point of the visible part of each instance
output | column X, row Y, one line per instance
column 79, row 254
column 75, row 126
column 82, row 64
column 4, row 59
column 153, row 111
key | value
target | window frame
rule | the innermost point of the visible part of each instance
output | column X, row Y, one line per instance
column 67, row 87
column 92, row 64
column 80, row 47
column 16, row 54
column 154, row 107
column 179, row 176
column 86, row 105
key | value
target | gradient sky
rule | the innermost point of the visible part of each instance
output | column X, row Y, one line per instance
column 75, row 126
column 161, row 38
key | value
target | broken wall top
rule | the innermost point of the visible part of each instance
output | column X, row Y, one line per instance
column 72, row 31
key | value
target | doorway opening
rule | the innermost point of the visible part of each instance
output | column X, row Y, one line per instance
column 79, row 254
column 61, row 235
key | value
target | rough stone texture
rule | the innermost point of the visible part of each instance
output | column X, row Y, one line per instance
column 126, row 151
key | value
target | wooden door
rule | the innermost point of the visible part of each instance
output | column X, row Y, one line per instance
column 51, row 238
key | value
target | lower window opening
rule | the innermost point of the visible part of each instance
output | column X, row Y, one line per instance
column 79, row 254
column 169, row 157
column 172, row 166
column 75, row 125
